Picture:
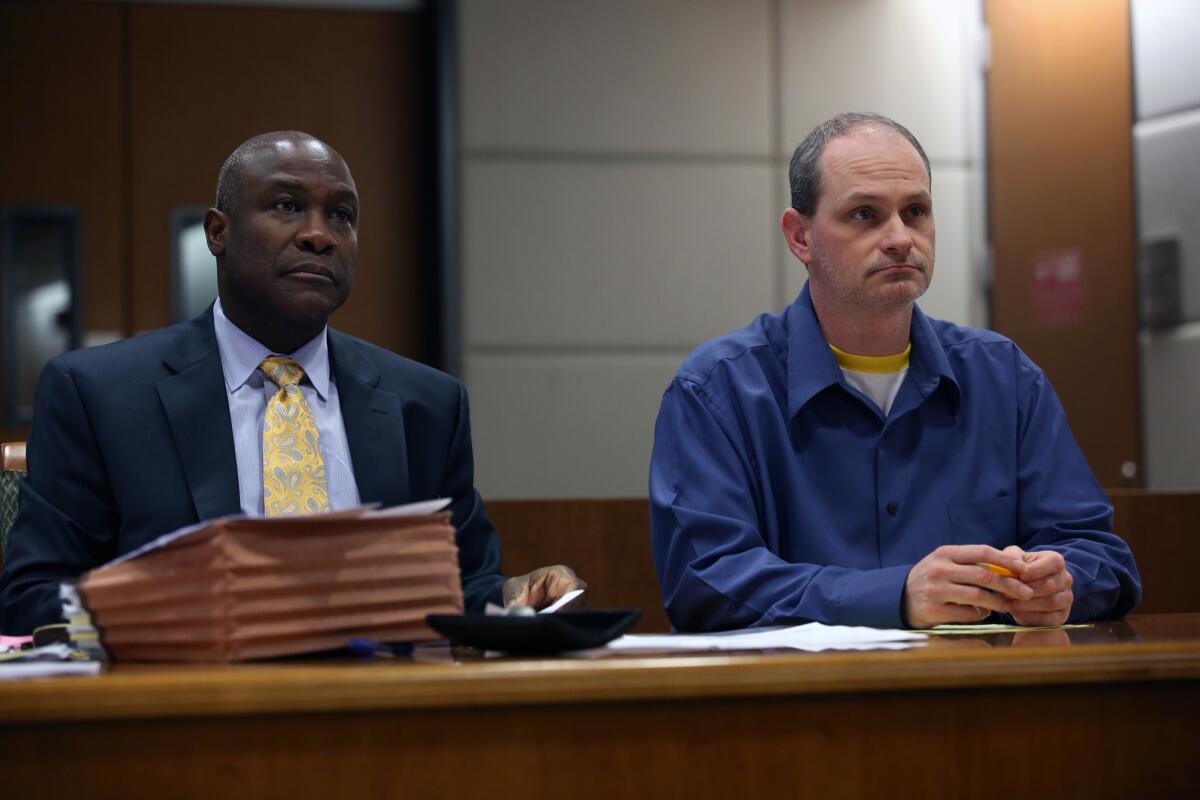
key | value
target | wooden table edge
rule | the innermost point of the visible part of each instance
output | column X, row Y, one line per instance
column 330, row 688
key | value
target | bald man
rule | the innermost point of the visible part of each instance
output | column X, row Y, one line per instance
column 141, row 437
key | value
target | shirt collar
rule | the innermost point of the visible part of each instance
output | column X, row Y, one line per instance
column 241, row 354
column 813, row 368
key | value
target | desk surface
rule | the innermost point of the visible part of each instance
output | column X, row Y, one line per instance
column 1096, row 712
column 1139, row 649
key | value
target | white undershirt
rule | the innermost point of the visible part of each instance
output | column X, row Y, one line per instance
column 882, row 388
column 878, row 377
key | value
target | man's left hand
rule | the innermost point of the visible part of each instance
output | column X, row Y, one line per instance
column 543, row 586
column 1046, row 573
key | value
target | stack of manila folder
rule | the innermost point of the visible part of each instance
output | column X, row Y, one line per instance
column 239, row 588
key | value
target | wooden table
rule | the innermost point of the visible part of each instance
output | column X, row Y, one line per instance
column 1114, row 714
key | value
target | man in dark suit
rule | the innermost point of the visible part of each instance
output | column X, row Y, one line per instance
column 138, row 438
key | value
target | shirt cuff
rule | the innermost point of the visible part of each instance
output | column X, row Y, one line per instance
column 874, row 597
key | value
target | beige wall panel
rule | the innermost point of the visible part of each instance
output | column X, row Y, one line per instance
column 792, row 270
column 1166, row 60
column 614, row 254
column 955, row 280
column 616, row 75
column 563, row 426
column 1168, row 171
column 1170, row 397
column 908, row 59
column 954, row 276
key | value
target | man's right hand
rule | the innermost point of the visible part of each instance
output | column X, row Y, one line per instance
column 948, row 585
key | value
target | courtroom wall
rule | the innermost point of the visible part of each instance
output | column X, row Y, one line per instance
column 624, row 169
column 125, row 112
column 1167, row 161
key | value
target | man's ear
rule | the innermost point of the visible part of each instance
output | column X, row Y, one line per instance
column 216, row 223
column 797, row 231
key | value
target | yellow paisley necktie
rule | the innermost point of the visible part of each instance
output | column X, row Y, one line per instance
column 293, row 470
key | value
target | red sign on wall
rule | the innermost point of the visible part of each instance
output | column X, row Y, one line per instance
column 1058, row 287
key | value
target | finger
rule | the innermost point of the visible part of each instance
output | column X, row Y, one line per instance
column 516, row 591
column 971, row 596
column 548, row 584
column 927, row 615
column 540, row 593
column 1051, row 584
column 1037, row 618
column 1041, row 639
column 558, row 580
column 580, row 600
column 983, row 554
column 1059, row 601
column 1043, row 564
column 975, row 575
column 567, row 576
column 565, row 582
column 576, row 582
column 954, row 613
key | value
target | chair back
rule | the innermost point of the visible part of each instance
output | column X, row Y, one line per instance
column 12, row 469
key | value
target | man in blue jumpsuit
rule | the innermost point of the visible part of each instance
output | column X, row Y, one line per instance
column 853, row 461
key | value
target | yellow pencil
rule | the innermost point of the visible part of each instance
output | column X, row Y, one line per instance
column 1004, row 572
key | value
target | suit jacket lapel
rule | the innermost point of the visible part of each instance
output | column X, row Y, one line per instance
column 374, row 425
column 197, row 411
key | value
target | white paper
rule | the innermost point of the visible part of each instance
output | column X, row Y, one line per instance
column 43, row 662
column 812, row 637
column 493, row 610
column 412, row 509
column 47, row 669
column 560, row 602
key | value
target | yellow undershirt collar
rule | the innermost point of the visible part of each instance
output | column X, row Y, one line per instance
column 875, row 365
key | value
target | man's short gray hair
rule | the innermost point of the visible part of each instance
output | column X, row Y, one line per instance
column 804, row 173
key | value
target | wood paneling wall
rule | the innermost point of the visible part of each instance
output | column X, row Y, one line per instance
column 1163, row 531
column 127, row 111
column 202, row 80
column 61, row 137
column 607, row 542
column 1060, row 177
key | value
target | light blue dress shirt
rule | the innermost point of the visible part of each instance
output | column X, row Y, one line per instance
column 249, row 390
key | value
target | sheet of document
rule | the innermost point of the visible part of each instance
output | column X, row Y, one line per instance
column 44, row 662
column 978, row 630
column 493, row 610
column 47, row 669
column 812, row 637
column 560, row 602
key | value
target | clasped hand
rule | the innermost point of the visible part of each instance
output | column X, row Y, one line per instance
column 948, row 585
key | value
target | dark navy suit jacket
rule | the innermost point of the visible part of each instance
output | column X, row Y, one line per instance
column 133, row 439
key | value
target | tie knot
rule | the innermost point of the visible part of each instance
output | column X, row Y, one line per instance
column 284, row 371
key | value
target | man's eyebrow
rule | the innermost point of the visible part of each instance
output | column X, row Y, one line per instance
column 285, row 183
column 345, row 194
column 870, row 197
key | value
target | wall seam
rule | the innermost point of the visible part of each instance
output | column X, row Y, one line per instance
column 775, row 77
